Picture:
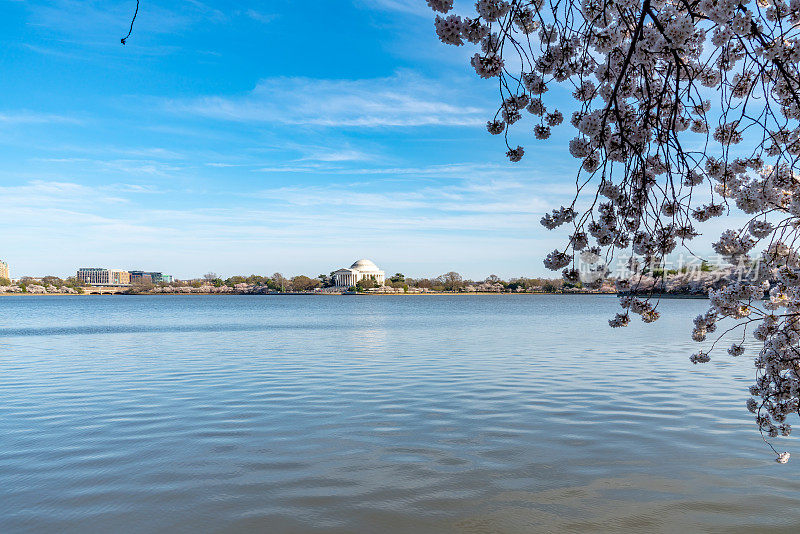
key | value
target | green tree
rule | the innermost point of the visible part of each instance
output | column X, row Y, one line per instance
column 144, row 285
column 451, row 281
column 52, row 281
column 256, row 280
column 516, row 283
column 327, row 279
column 304, row 283
column 233, row 280
column 73, row 282
column 280, row 282
column 366, row 283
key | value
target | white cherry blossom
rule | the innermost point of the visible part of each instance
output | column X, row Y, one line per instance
column 657, row 157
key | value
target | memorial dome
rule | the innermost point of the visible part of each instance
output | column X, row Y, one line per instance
column 364, row 265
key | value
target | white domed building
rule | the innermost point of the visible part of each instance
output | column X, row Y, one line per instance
column 358, row 271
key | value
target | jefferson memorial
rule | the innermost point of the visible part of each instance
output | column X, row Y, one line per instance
column 358, row 271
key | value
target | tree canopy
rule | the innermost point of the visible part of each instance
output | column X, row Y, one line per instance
column 681, row 110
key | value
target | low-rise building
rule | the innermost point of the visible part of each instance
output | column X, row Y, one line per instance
column 149, row 276
column 99, row 276
column 119, row 277
column 140, row 277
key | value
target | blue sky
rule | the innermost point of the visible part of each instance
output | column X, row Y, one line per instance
column 255, row 137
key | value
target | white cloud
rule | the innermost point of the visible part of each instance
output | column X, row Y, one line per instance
column 413, row 7
column 404, row 99
column 332, row 156
column 31, row 117
column 506, row 203
column 48, row 193
column 125, row 166
column 308, row 227
column 221, row 165
column 260, row 16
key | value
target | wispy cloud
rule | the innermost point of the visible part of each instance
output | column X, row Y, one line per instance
column 260, row 16
column 331, row 155
column 45, row 193
column 461, row 200
column 33, row 117
column 405, row 99
column 90, row 19
column 413, row 7
column 120, row 165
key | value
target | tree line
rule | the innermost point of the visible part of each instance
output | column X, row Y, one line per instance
column 277, row 282
column 451, row 281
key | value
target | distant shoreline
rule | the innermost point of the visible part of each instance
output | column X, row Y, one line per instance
column 288, row 293
column 311, row 294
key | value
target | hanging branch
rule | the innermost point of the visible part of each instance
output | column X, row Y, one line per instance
column 651, row 163
column 130, row 30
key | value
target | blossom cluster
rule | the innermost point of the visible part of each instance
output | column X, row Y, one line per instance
column 662, row 159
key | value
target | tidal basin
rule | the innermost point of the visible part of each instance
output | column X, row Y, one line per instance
column 394, row 414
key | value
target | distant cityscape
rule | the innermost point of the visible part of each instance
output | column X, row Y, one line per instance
column 100, row 276
column 363, row 276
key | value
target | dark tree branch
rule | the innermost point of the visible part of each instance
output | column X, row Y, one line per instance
column 130, row 30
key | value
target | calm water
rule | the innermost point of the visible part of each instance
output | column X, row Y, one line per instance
column 293, row 414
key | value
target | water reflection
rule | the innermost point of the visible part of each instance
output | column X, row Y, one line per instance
column 399, row 414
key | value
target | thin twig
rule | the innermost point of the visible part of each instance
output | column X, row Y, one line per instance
column 130, row 30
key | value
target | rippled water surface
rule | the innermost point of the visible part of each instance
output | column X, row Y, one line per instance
column 397, row 414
